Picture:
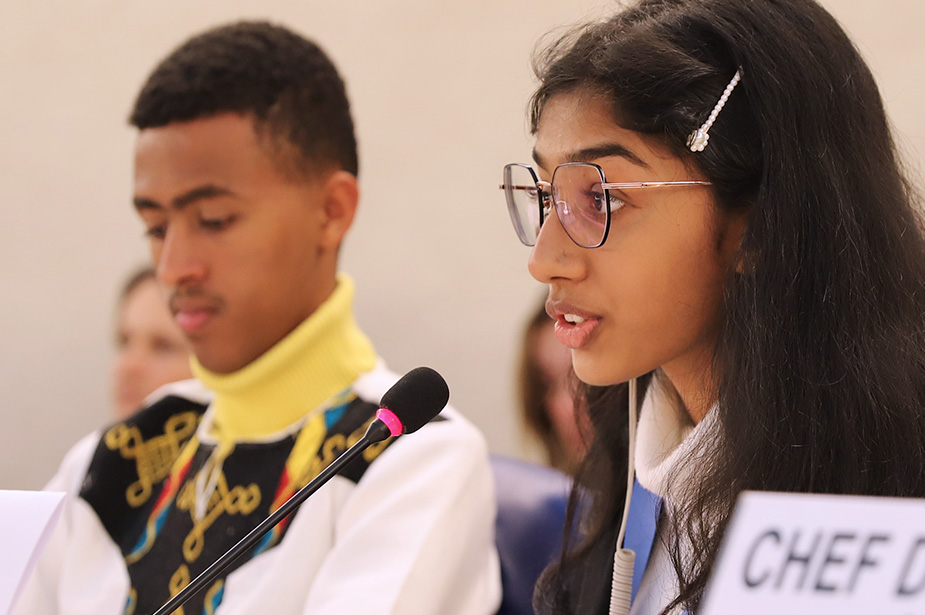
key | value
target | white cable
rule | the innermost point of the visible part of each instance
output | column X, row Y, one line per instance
column 621, row 585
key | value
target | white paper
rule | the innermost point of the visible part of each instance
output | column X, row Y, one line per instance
column 821, row 554
column 27, row 519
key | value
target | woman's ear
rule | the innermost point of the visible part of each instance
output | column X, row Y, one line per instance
column 746, row 257
column 733, row 240
column 341, row 195
column 745, row 264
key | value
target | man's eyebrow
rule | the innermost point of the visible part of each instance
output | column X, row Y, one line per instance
column 209, row 191
column 590, row 154
column 142, row 204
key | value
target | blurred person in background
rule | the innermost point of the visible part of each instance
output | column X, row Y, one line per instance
column 150, row 348
column 550, row 409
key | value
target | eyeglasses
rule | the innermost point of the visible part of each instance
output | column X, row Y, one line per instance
column 583, row 200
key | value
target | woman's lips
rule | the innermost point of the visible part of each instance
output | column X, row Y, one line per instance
column 574, row 325
column 575, row 334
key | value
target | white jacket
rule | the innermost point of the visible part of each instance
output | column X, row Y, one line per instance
column 409, row 533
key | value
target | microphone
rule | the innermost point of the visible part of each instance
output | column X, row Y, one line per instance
column 411, row 403
column 417, row 397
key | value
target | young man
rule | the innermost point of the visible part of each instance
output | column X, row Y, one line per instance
column 245, row 178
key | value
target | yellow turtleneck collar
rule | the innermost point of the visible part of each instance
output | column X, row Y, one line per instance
column 318, row 359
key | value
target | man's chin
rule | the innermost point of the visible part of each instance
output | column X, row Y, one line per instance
column 221, row 360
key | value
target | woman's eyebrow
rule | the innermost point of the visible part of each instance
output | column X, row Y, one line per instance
column 590, row 154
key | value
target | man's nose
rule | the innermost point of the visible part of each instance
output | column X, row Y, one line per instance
column 179, row 261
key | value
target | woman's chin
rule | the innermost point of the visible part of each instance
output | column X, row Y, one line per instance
column 599, row 373
column 590, row 372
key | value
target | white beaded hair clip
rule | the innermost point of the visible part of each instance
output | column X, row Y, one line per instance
column 698, row 139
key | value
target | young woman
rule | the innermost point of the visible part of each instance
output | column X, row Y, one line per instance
column 720, row 213
column 150, row 348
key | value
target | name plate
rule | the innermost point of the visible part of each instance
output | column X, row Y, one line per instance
column 803, row 553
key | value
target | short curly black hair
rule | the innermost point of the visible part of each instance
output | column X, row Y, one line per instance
column 286, row 82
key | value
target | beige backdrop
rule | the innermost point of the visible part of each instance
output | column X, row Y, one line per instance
column 438, row 90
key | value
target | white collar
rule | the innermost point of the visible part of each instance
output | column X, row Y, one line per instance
column 667, row 437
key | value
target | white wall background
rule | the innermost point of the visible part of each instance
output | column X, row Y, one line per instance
column 438, row 90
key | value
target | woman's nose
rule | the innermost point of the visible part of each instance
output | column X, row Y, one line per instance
column 555, row 255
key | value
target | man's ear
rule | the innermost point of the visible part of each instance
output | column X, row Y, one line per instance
column 341, row 195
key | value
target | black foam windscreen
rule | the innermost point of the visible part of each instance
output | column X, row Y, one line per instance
column 417, row 397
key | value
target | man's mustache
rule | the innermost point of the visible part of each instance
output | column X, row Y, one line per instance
column 189, row 298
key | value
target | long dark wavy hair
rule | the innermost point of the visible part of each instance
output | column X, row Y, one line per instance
column 820, row 361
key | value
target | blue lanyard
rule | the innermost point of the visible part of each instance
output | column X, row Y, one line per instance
column 641, row 526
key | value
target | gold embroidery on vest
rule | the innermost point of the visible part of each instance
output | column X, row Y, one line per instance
column 237, row 500
column 374, row 450
column 335, row 445
column 328, row 451
column 131, row 602
column 304, row 452
column 208, row 606
column 178, row 581
column 154, row 457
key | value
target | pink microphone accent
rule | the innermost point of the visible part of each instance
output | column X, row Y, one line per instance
column 391, row 421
